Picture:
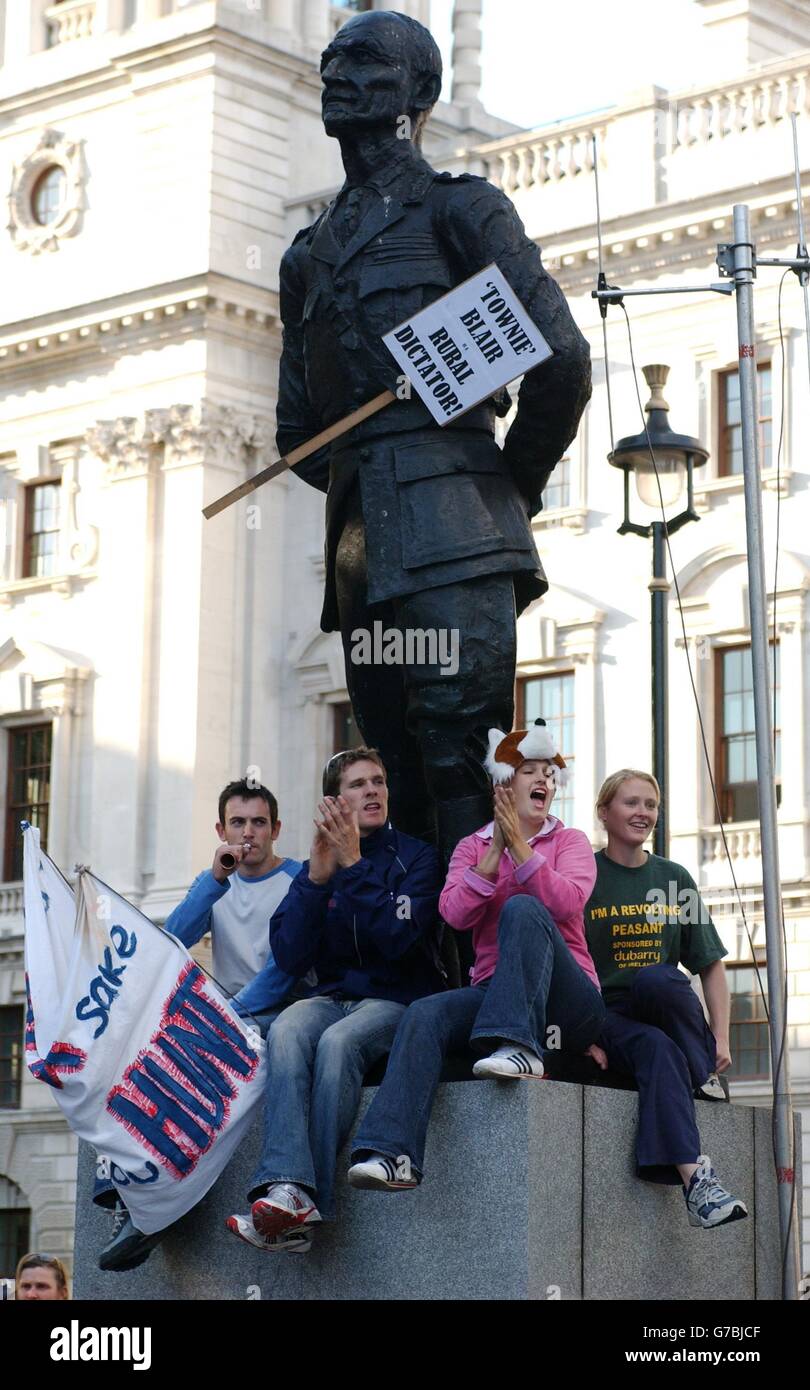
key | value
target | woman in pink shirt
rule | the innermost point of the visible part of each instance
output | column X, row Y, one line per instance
column 520, row 885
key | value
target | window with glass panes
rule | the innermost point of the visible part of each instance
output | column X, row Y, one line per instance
column 736, row 744
column 41, row 550
column 748, row 1030
column 557, row 491
column 551, row 698
column 28, row 790
column 730, row 458
column 11, row 1052
column 15, row 1227
column 48, row 195
column 345, row 733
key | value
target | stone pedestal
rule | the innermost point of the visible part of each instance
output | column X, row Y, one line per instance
column 529, row 1194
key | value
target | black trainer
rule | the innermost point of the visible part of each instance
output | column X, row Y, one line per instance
column 127, row 1247
column 715, row 1087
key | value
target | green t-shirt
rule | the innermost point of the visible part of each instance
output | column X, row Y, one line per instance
column 653, row 915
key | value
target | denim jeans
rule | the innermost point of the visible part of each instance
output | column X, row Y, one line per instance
column 537, row 983
column 317, row 1055
column 658, row 1035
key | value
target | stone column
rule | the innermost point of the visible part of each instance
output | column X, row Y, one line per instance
column 126, row 613
column 24, row 30
column 790, row 630
column 111, row 16
column 589, row 766
column 10, row 500
column 316, row 24
column 64, row 700
column 281, row 14
column 467, row 52
column 415, row 9
column 146, row 10
column 193, row 739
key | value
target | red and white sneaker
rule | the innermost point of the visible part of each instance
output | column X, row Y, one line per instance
column 297, row 1242
column 285, row 1207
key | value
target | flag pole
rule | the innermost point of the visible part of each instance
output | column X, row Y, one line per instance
column 769, row 839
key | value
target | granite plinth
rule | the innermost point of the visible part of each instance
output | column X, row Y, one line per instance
column 530, row 1193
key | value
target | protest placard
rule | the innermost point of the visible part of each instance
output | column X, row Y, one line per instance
column 458, row 351
column 465, row 346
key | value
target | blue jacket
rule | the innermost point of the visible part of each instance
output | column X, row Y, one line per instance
column 372, row 932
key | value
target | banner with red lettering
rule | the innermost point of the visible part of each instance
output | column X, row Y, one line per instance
column 147, row 1060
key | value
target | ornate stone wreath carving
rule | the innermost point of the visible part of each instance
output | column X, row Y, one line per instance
column 54, row 149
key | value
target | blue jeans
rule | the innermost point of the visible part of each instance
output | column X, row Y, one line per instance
column 537, row 983
column 658, row 1035
column 317, row 1055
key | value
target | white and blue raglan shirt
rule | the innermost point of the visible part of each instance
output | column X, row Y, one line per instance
column 237, row 913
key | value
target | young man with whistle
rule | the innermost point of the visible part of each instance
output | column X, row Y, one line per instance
column 238, row 895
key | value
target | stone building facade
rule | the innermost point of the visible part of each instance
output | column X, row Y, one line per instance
column 157, row 158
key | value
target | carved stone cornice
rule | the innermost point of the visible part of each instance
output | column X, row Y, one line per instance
column 211, row 433
column 642, row 249
column 180, row 436
column 116, row 329
column 124, row 446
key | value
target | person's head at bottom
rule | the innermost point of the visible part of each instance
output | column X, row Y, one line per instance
column 41, row 1277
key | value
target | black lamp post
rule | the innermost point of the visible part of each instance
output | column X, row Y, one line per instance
column 675, row 457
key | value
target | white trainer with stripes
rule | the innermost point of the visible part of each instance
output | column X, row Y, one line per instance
column 383, row 1174
column 511, row 1063
column 290, row 1243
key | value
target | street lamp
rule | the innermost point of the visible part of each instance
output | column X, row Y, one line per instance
column 675, row 457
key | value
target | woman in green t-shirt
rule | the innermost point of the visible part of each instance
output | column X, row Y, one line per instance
column 644, row 918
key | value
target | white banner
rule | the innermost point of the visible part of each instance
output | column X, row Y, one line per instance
column 467, row 345
column 147, row 1060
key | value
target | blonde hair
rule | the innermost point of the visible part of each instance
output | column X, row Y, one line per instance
column 611, row 784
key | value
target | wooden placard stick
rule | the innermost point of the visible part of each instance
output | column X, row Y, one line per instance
column 303, row 451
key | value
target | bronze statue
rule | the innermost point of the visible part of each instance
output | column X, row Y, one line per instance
column 427, row 528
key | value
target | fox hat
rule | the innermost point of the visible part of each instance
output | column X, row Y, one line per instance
column 507, row 752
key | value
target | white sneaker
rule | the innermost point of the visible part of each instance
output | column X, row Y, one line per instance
column 383, row 1174
column 512, row 1062
column 714, row 1088
column 285, row 1207
column 707, row 1201
column 292, row 1243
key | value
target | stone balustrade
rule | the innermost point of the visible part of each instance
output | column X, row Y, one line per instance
column 664, row 148
column 73, row 20
column 542, row 157
column 738, row 107
column 11, row 905
column 742, row 840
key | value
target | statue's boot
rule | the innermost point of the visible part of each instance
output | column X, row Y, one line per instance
column 454, row 820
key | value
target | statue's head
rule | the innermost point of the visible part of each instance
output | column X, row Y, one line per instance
column 379, row 67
